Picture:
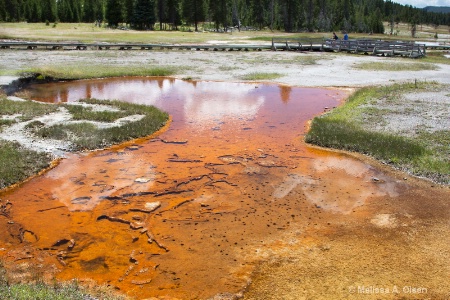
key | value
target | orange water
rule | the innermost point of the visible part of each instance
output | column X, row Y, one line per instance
column 231, row 173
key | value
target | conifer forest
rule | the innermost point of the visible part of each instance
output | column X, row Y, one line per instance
column 365, row 16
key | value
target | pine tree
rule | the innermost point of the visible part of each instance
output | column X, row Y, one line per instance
column 76, row 10
column 173, row 13
column 2, row 11
column 220, row 11
column 310, row 20
column 161, row 13
column 65, row 12
column 48, row 11
column 34, row 11
column 13, row 11
column 144, row 14
column 115, row 11
column 194, row 11
column 93, row 11
column 260, row 13
column 129, row 11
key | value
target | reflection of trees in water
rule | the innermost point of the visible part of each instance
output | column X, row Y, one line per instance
column 88, row 91
column 194, row 83
column 100, row 86
column 161, row 81
column 285, row 93
column 63, row 95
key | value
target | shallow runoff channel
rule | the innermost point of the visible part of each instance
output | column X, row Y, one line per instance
column 189, row 213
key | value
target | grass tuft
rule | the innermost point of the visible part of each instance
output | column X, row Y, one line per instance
column 385, row 66
column 86, row 113
column 261, row 76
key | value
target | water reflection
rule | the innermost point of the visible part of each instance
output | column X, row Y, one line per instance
column 196, row 103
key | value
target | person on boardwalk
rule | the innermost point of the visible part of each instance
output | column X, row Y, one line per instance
column 335, row 37
column 345, row 36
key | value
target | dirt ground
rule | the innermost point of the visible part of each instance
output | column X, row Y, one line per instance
column 392, row 245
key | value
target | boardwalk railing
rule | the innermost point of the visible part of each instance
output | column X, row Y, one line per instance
column 377, row 47
column 297, row 44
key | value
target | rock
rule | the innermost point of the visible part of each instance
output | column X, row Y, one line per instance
column 142, row 179
column 133, row 258
column 14, row 98
column 141, row 282
column 151, row 206
column 133, row 147
column 226, row 296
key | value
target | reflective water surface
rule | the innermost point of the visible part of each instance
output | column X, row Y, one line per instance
column 186, row 213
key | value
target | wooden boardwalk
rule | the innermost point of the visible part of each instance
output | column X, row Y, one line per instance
column 128, row 46
column 366, row 46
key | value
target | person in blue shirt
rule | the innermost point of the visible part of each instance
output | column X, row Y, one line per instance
column 345, row 36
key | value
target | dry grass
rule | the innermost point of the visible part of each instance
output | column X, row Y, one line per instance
column 87, row 32
column 389, row 66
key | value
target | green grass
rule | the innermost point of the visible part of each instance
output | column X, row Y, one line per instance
column 57, row 291
column 17, row 163
column 85, row 135
column 436, row 57
column 87, row 32
column 39, row 290
column 348, row 127
column 337, row 133
column 389, row 66
column 86, row 113
column 87, row 71
column 26, row 109
column 261, row 76
column 301, row 60
column 6, row 122
column 228, row 68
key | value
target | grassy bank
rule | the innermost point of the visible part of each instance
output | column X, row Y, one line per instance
column 56, row 291
column 89, row 129
column 18, row 163
column 360, row 125
column 87, row 135
column 89, row 71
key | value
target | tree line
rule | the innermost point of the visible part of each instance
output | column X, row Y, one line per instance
column 221, row 15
